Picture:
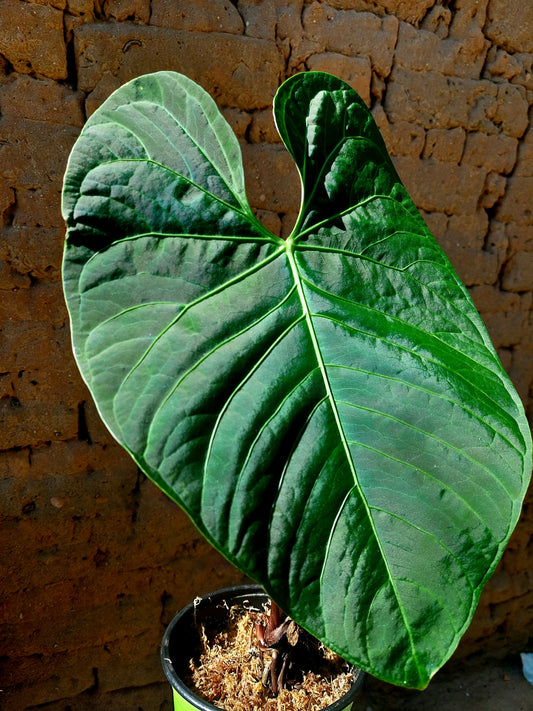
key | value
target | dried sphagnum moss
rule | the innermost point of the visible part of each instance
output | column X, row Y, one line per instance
column 231, row 667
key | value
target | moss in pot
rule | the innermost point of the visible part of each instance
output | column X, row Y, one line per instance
column 230, row 687
column 328, row 409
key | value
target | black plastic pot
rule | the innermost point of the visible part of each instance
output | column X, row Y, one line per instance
column 181, row 639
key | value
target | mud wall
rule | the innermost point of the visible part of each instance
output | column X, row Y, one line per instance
column 94, row 561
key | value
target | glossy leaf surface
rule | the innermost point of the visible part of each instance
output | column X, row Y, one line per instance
column 328, row 409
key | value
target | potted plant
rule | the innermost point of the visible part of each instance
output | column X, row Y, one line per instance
column 328, row 409
column 239, row 666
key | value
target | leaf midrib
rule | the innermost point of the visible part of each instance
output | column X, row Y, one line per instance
column 342, row 437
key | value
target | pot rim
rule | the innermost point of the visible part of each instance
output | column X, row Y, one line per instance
column 240, row 593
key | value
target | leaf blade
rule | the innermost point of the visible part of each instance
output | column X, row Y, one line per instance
column 329, row 410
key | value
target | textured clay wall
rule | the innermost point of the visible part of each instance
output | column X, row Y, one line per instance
column 94, row 561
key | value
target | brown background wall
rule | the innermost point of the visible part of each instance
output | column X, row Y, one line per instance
column 94, row 561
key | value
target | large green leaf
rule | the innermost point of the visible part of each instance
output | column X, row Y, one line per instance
column 328, row 409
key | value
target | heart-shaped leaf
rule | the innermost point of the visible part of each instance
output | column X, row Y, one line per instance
column 328, row 409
